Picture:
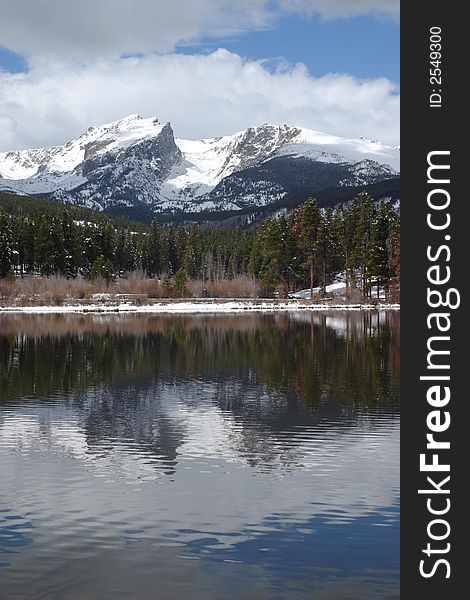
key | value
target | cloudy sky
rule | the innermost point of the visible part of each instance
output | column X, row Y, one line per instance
column 211, row 67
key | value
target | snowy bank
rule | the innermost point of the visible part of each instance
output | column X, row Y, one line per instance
column 191, row 306
column 337, row 288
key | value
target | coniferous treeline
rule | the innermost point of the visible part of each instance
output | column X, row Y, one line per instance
column 306, row 249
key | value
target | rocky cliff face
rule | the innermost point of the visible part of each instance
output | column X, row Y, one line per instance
column 136, row 162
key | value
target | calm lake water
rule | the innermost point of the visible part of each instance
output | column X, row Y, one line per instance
column 200, row 457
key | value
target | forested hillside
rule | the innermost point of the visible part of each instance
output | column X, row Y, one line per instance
column 306, row 249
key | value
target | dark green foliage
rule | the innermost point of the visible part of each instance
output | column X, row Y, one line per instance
column 389, row 188
column 307, row 223
column 273, row 255
column 362, row 367
column 306, row 249
column 102, row 268
column 180, row 282
column 382, row 247
column 6, row 246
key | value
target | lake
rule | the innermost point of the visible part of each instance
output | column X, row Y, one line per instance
column 245, row 456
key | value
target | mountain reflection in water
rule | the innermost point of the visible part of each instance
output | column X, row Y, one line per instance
column 262, row 447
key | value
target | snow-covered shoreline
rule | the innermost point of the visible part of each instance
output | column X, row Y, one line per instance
column 235, row 306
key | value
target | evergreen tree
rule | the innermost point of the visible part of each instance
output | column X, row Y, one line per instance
column 181, row 240
column 192, row 254
column 180, row 282
column 381, row 265
column 364, row 205
column 71, row 246
column 324, row 249
column 44, row 245
column 102, row 268
column 6, row 246
column 347, row 224
column 172, row 262
column 154, row 249
column 91, row 250
column 308, row 222
column 29, row 246
column 307, row 248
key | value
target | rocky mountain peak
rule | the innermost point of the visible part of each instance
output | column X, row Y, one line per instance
column 136, row 161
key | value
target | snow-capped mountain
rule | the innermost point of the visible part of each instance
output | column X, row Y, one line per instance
column 138, row 162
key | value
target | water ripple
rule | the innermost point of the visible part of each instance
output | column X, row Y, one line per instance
column 193, row 453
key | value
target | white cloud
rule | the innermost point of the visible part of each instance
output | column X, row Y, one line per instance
column 202, row 96
column 105, row 28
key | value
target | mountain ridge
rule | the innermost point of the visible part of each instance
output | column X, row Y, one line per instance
column 137, row 161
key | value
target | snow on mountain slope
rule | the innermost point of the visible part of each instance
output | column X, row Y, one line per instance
column 58, row 167
column 329, row 148
column 9, row 189
column 23, row 164
column 209, row 161
column 137, row 161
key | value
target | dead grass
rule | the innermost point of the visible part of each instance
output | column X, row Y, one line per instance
column 7, row 290
column 138, row 283
column 239, row 287
column 34, row 290
column 354, row 295
column 38, row 291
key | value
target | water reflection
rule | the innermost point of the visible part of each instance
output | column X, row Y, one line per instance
column 350, row 355
column 262, row 447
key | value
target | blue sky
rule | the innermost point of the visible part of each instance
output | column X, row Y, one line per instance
column 366, row 47
column 12, row 62
column 210, row 67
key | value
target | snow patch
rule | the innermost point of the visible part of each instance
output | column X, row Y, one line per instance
column 68, row 173
column 197, row 307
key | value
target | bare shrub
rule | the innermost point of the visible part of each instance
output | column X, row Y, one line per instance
column 198, row 289
column 80, row 288
column 354, row 295
column 55, row 296
column 57, row 290
column 282, row 290
column 8, row 290
column 394, row 291
column 34, row 289
column 137, row 283
column 32, row 286
column 238, row 287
